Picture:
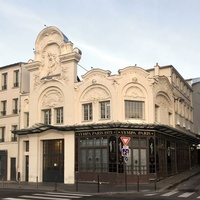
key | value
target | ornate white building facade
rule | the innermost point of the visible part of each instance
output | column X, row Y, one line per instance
column 64, row 126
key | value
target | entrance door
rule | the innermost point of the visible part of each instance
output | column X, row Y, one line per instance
column 13, row 169
column 26, row 168
column 3, row 164
column 53, row 160
column 139, row 161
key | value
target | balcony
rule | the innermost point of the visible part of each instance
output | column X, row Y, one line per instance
column 4, row 87
column 3, row 113
column 14, row 111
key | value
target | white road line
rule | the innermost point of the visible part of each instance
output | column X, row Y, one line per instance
column 169, row 194
column 58, row 195
column 186, row 194
column 74, row 194
column 149, row 195
column 14, row 199
column 39, row 197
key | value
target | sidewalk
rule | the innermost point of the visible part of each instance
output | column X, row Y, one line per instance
column 164, row 184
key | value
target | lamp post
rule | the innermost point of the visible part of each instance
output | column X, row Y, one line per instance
column 55, row 166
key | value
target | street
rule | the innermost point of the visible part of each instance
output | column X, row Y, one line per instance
column 189, row 189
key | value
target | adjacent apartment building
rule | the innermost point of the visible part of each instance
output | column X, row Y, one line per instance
column 53, row 124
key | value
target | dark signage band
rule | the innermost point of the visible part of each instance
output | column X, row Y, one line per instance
column 120, row 132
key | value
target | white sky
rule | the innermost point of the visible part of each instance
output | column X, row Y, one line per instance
column 112, row 34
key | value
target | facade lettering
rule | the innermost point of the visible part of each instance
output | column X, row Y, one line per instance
column 119, row 132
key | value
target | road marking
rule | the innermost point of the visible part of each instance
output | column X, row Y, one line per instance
column 149, row 195
column 50, row 196
column 186, row 194
column 73, row 194
column 169, row 194
column 13, row 199
column 39, row 197
column 58, row 195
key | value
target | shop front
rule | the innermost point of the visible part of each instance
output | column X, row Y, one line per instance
column 96, row 152
column 99, row 154
column 154, row 151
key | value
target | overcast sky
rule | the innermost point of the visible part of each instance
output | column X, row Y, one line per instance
column 112, row 34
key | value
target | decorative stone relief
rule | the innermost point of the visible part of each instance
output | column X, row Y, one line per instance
column 163, row 101
column 115, row 83
column 135, row 92
column 164, row 83
column 94, row 81
column 48, row 38
column 95, row 94
column 50, row 60
column 52, row 98
column 134, row 80
column 37, row 80
column 135, row 71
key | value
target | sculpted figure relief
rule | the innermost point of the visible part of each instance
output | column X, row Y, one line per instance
column 52, row 63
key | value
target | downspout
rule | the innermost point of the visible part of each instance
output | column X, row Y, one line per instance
column 19, row 120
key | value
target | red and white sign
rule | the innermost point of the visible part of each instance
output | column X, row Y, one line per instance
column 125, row 140
column 126, row 151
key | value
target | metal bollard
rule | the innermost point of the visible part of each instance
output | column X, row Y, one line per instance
column 19, row 183
column 36, row 182
column 76, row 181
column 155, row 182
column 125, row 178
column 55, row 189
column 2, row 181
column 98, row 184
column 138, row 182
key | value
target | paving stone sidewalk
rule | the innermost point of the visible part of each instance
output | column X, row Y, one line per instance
column 95, row 187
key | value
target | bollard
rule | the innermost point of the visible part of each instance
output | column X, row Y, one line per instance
column 55, row 189
column 98, row 184
column 19, row 183
column 155, row 181
column 125, row 178
column 76, row 181
column 2, row 181
column 138, row 180
column 36, row 182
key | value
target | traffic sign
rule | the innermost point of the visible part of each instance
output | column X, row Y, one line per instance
column 125, row 140
column 125, row 159
column 125, row 151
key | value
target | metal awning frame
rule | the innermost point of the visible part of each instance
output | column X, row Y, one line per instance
column 165, row 129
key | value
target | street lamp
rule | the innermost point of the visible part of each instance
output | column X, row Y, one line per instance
column 55, row 166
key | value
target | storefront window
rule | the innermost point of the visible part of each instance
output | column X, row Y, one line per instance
column 137, row 162
column 93, row 153
column 143, row 169
column 143, row 142
column 135, row 142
